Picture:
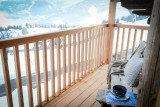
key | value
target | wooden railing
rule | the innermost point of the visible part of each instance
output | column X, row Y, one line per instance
column 87, row 58
column 122, row 28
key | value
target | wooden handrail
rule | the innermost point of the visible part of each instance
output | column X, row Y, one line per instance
column 131, row 26
column 33, row 38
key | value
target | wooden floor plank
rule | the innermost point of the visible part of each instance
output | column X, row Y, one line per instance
column 91, row 99
column 70, row 94
column 96, row 104
column 79, row 90
column 87, row 92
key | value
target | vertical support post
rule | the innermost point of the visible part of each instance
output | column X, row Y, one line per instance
column 110, row 31
column 150, row 84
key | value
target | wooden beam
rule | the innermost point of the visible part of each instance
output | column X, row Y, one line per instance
column 132, row 26
column 109, row 38
column 149, row 89
column 137, row 4
column 142, row 12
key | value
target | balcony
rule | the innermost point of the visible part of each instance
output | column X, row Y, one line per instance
column 73, row 69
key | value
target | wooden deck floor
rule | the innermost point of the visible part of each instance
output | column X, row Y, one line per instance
column 83, row 93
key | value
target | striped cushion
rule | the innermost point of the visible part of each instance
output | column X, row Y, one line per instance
column 132, row 69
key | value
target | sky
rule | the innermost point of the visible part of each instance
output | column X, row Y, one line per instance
column 70, row 12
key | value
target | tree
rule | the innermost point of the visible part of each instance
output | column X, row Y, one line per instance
column 24, row 31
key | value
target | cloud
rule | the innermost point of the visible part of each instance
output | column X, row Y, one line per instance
column 92, row 11
column 94, row 20
column 58, row 22
column 4, row 21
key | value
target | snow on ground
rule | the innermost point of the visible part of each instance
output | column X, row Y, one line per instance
column 25, row 94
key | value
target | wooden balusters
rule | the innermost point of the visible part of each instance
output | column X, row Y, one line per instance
column 29, row 76
column 89, row 51
column 122, row 43
column 97, row 65
column 103, row 48
column 82, row 54
column 100, row 47
column 86, row 44
column 129, row 32
column 58, row 66
column 69, row 60
column 18, row 76
column 74, row 57
column 117, row 43
column 135, row 34
column 141, row 37
column 45, row 70
column 95, row 47
column 6, row 77
column 92, row 52
column 78, row 56
column 64, row 62
column 52, row 67
column 105, row 44
column 37, row 70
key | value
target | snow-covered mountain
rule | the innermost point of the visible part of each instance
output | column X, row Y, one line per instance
column 83, row 12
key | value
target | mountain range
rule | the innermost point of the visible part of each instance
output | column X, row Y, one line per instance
column 56, row 11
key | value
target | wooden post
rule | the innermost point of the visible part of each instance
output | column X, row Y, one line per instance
column 110, row 31
column 149, row 86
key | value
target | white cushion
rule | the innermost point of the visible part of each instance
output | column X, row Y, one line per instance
column 132, row 69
